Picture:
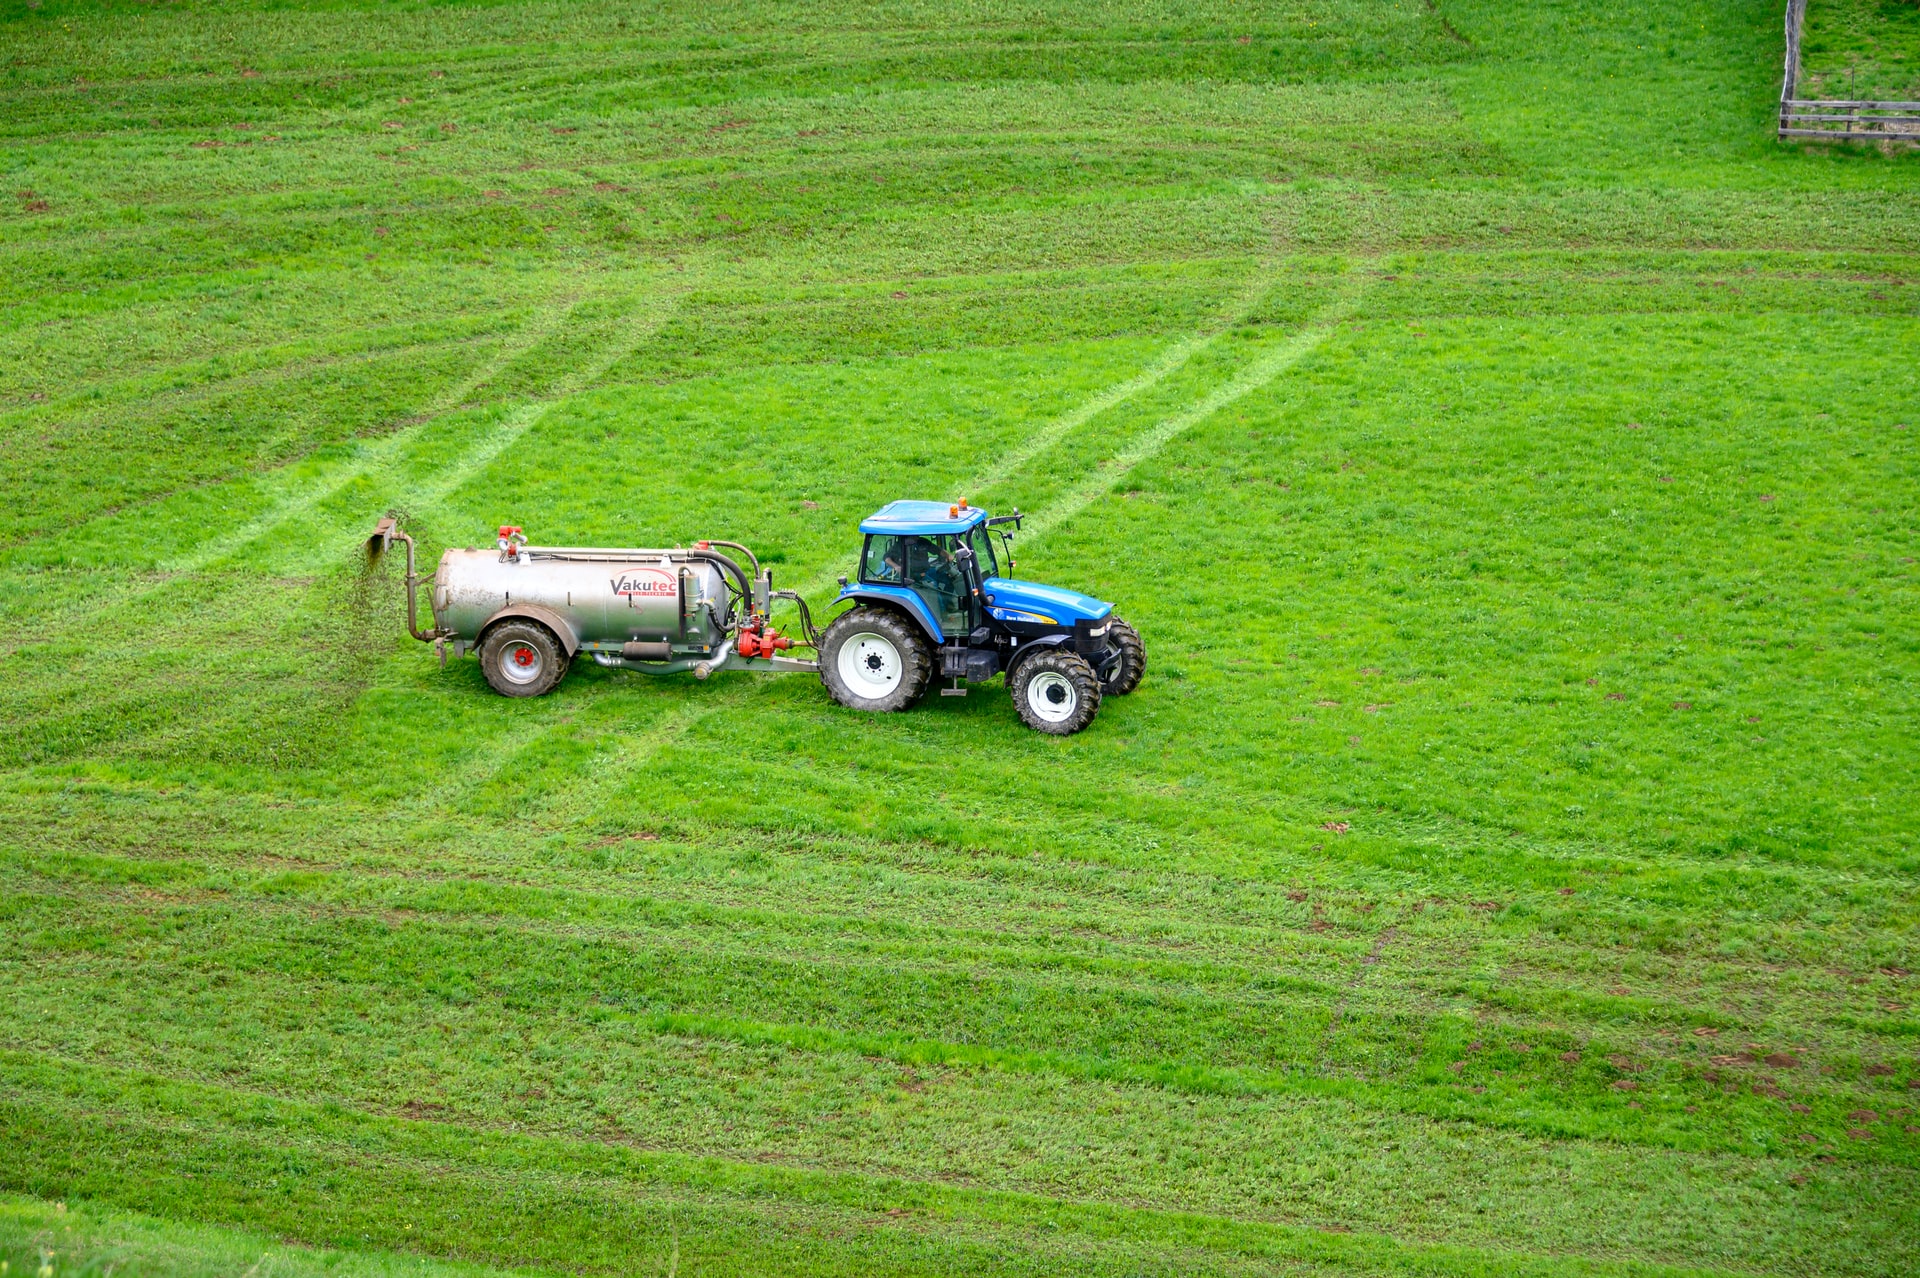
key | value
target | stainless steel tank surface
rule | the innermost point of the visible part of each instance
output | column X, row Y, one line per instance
column 607, row 597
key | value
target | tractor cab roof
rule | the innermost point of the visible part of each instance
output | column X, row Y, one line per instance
column 927, row 518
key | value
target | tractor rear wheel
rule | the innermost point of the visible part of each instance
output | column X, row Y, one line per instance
column 522, row 658
column 1055, row 691
column 874, row 659
column 1133, row 659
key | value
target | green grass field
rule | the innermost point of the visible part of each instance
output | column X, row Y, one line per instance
column 1506, row 447
column 1862, row 49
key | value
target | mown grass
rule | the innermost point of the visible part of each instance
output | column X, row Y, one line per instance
column 1862, row 49
column 1505, row 446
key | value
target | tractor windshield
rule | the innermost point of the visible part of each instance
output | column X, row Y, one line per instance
column 982, row 542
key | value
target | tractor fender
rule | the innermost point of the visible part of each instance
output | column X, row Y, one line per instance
column 1041, row 644
column 562, row 628
column 901, row 598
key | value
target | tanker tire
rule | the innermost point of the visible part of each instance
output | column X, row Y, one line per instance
column 1133, row 660
column 1055, row 692
column 888, row 662
column 522, row 659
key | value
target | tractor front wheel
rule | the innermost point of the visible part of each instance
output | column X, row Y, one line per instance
column 1133, row 659
column 1055, row 691
column 873, row 659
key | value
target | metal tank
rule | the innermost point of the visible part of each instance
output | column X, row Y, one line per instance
column 661, row 611
column 644, row 605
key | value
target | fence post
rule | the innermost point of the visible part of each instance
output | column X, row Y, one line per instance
column 1790, row 81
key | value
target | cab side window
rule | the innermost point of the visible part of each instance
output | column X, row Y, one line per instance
column 884, row 561
column 926, row 564
column 914, row 561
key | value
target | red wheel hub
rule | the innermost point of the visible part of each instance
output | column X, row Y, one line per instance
column 523, row 656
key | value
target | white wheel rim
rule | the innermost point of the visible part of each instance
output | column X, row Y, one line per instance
column 870, row 665
column 521, row 662
column 1052, row 697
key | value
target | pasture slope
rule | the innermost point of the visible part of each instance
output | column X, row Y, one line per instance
column 1506, row 448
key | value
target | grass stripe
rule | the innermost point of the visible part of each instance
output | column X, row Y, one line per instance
column 370, row 458
column 331, row 1175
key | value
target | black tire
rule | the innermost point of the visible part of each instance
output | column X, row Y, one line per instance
column 1133, row 659
column 1055, row 691
column 887, row 661
column 522, row 658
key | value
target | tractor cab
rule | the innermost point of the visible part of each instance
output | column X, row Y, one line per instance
column 916, row 547
column 933, row 572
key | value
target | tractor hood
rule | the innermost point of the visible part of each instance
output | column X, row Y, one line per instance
column 1012, row 600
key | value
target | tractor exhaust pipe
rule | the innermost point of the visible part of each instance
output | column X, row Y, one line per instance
column 384, row 534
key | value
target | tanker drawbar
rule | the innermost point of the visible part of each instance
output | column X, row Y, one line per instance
column 930, row 603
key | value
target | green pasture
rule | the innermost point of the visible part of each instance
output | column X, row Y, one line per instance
column 1863, row 49
column 1504, row 445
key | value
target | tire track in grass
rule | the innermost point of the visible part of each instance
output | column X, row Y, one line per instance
column 1168, row 362
column 302, row 498
column 497, row 756
column 651, row 741
column 372, row 457
column 1149, row 443
column 578, row 803
column 383, row 458
column 137, row 399
column 1386, row 937
column 651, row 313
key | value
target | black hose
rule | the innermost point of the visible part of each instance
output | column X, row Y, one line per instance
column 714, row 556
column 751, row 557
column 806, row 616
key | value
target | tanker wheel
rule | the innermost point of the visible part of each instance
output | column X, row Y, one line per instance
column 1133, row 660
column 522, row 658
column 1055, row 692
column 873, row 659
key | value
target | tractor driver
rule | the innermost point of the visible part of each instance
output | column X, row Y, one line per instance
column 921, row 561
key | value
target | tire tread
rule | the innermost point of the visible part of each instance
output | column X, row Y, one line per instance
column 916, row 659
column 1133, row 663
column 1076, row 668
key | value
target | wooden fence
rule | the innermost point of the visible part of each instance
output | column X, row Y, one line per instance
column 1837, row 120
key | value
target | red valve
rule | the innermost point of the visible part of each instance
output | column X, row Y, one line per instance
column 509, row 530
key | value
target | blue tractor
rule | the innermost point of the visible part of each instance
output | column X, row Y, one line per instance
column 931, row 602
